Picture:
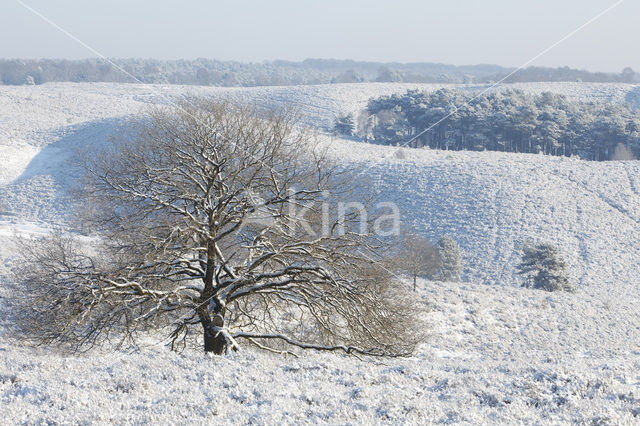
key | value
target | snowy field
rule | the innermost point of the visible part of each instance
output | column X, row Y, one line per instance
column 496, row 352
column 494, row 355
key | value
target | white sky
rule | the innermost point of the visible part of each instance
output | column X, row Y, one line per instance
column 504, row 32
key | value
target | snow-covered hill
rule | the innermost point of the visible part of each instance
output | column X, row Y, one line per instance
column 503, row 353
column 492, row 202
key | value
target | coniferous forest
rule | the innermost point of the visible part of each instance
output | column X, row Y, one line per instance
column 510, row 121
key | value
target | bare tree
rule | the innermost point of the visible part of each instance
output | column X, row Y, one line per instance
column 417, row 257
column 211, row 216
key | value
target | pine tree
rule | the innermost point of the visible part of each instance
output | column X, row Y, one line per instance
column 544, row 267
column 344, row 125
column 449, row 252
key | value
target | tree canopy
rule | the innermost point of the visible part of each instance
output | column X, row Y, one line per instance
column 544, row 268
column 209, row 218
column 508, row 120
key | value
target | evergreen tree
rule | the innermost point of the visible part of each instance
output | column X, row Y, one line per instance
column 511, row 121
column 451, row 260
column 344, row 125
column 544, row 268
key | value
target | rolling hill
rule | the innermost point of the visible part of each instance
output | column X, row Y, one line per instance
column 508, row 354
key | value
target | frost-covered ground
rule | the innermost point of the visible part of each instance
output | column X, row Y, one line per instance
column 494, row 355
column 496, row 352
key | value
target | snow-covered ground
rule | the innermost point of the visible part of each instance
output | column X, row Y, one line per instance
column 496, row 352
column 495, row 355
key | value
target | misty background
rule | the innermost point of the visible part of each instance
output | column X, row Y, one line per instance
column 456, row 32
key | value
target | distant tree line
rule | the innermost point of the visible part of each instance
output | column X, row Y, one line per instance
column 207, row 72
column 628, row 75
column 510, row 121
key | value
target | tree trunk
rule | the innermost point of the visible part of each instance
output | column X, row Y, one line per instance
column 213, row 342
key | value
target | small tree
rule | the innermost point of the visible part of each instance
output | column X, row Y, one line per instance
column 449, row 253
column 209, row 217
column 344, row 125
column 544, row 268
column 417, row 257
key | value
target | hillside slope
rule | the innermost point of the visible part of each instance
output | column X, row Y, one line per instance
column 490, row 202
